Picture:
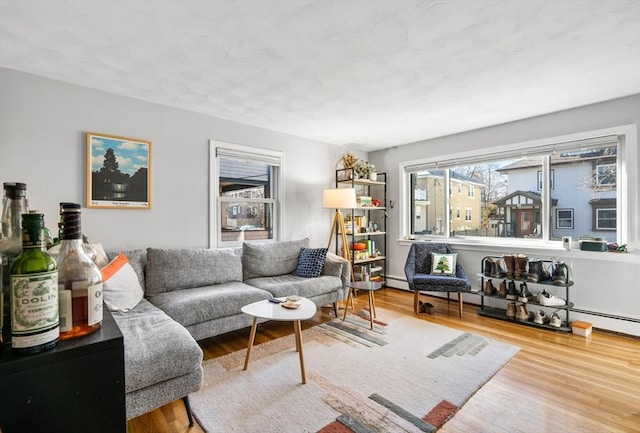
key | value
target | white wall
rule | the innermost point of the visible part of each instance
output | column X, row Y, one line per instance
column 605, row 282
column 42, row 143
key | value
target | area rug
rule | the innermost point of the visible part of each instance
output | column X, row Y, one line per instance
column 405, row 375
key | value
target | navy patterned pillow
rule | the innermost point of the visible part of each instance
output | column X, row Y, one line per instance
column 310, row 262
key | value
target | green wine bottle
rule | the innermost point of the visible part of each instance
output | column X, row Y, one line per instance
column 34, row 292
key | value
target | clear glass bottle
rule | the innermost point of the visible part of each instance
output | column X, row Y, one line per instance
column 34, row 291
column 14, row 204
column 79, row 281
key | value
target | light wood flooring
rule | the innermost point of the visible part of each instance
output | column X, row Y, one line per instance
column 558, row 382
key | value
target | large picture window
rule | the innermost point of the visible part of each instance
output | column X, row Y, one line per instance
column 245, row 194
column 521, row 193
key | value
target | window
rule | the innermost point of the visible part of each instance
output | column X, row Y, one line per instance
column 604, row 215
column 605, row 176
column 459, row 188
column 516, row 200
column 457, row 213
column 245, row 197
column 540, row 180
column 564, row 218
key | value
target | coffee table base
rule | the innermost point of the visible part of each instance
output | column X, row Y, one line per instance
column 297, row 328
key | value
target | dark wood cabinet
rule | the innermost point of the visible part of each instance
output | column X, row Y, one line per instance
column 76, row 387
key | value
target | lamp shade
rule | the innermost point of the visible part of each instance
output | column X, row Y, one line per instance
column 339, row 198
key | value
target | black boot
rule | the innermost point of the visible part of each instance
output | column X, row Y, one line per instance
column 536, row 271
column 560, row 273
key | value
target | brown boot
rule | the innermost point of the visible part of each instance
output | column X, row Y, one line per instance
column 510, row 263
column 502, row 291
column 520, row 271
column 489, row 288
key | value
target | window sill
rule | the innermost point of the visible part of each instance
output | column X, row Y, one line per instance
column 553, row 248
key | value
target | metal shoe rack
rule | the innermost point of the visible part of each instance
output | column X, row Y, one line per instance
column 499, row 313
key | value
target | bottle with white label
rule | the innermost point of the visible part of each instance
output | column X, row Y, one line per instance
column 79, row 281
column 34, row 291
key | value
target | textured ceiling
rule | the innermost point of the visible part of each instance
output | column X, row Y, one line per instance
column 371, row 73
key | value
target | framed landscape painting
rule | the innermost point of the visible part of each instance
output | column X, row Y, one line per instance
column 118, row 172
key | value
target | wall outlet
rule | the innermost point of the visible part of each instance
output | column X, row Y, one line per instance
column 566, row 242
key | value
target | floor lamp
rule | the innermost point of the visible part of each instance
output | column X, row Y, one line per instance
column 338, row 199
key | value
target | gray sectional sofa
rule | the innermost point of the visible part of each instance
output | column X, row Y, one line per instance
column 193, row 294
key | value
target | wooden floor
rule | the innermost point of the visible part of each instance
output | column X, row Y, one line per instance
column 558, row 382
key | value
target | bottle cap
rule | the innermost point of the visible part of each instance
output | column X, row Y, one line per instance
column 65, row 205
column 15, row 189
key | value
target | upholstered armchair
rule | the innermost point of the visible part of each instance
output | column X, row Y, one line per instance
column 423, row 276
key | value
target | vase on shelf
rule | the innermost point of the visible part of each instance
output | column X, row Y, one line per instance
column 373, row 176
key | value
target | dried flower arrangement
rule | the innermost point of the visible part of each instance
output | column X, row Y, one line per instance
column 349, row 160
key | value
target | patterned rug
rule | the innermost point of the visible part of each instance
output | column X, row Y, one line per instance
column 408, row 376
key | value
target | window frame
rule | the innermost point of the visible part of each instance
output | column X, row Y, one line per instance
column 219, row 150
column 551, row 180
column 596, row 219
column 627, row 208
column 558, row 219
column 603, row 186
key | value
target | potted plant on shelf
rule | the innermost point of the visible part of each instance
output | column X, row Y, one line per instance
column 365, row 169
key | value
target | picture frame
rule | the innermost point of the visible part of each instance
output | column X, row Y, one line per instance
column 118, row 172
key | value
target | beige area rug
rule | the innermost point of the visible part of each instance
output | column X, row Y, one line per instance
column 407, row 376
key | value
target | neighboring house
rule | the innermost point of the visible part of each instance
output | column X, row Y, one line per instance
column 583, row 192
column 465, row 203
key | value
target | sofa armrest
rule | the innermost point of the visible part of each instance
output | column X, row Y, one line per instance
column 337, row 266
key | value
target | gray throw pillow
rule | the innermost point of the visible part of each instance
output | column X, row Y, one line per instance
column 269, row 259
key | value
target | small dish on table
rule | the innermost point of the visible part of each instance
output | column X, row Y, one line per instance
column 290, row 305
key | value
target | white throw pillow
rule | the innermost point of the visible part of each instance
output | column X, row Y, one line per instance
column 121, row 288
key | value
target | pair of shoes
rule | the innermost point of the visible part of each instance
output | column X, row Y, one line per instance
column 522, row 313
column 511, row 309
column 555, row 320
column 512, row 292
column 548, row 300
column 493, row 268
column 524, row 295
column 540, row 317
column 426, row 307
column 559, row 273
column 489, row 288
column 537, row 272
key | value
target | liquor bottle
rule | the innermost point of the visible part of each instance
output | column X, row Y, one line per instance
column 14, row 204
column 79, row 281
column 34, row 292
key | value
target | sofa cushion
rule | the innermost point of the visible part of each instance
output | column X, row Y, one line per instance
column 156, row 348
column 289, row 285
column 120, row 286
column 310, row 262
column 178, row 269
column 201, row 304
column 269, row 259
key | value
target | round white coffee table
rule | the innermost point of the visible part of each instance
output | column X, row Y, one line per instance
column 269, row 310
